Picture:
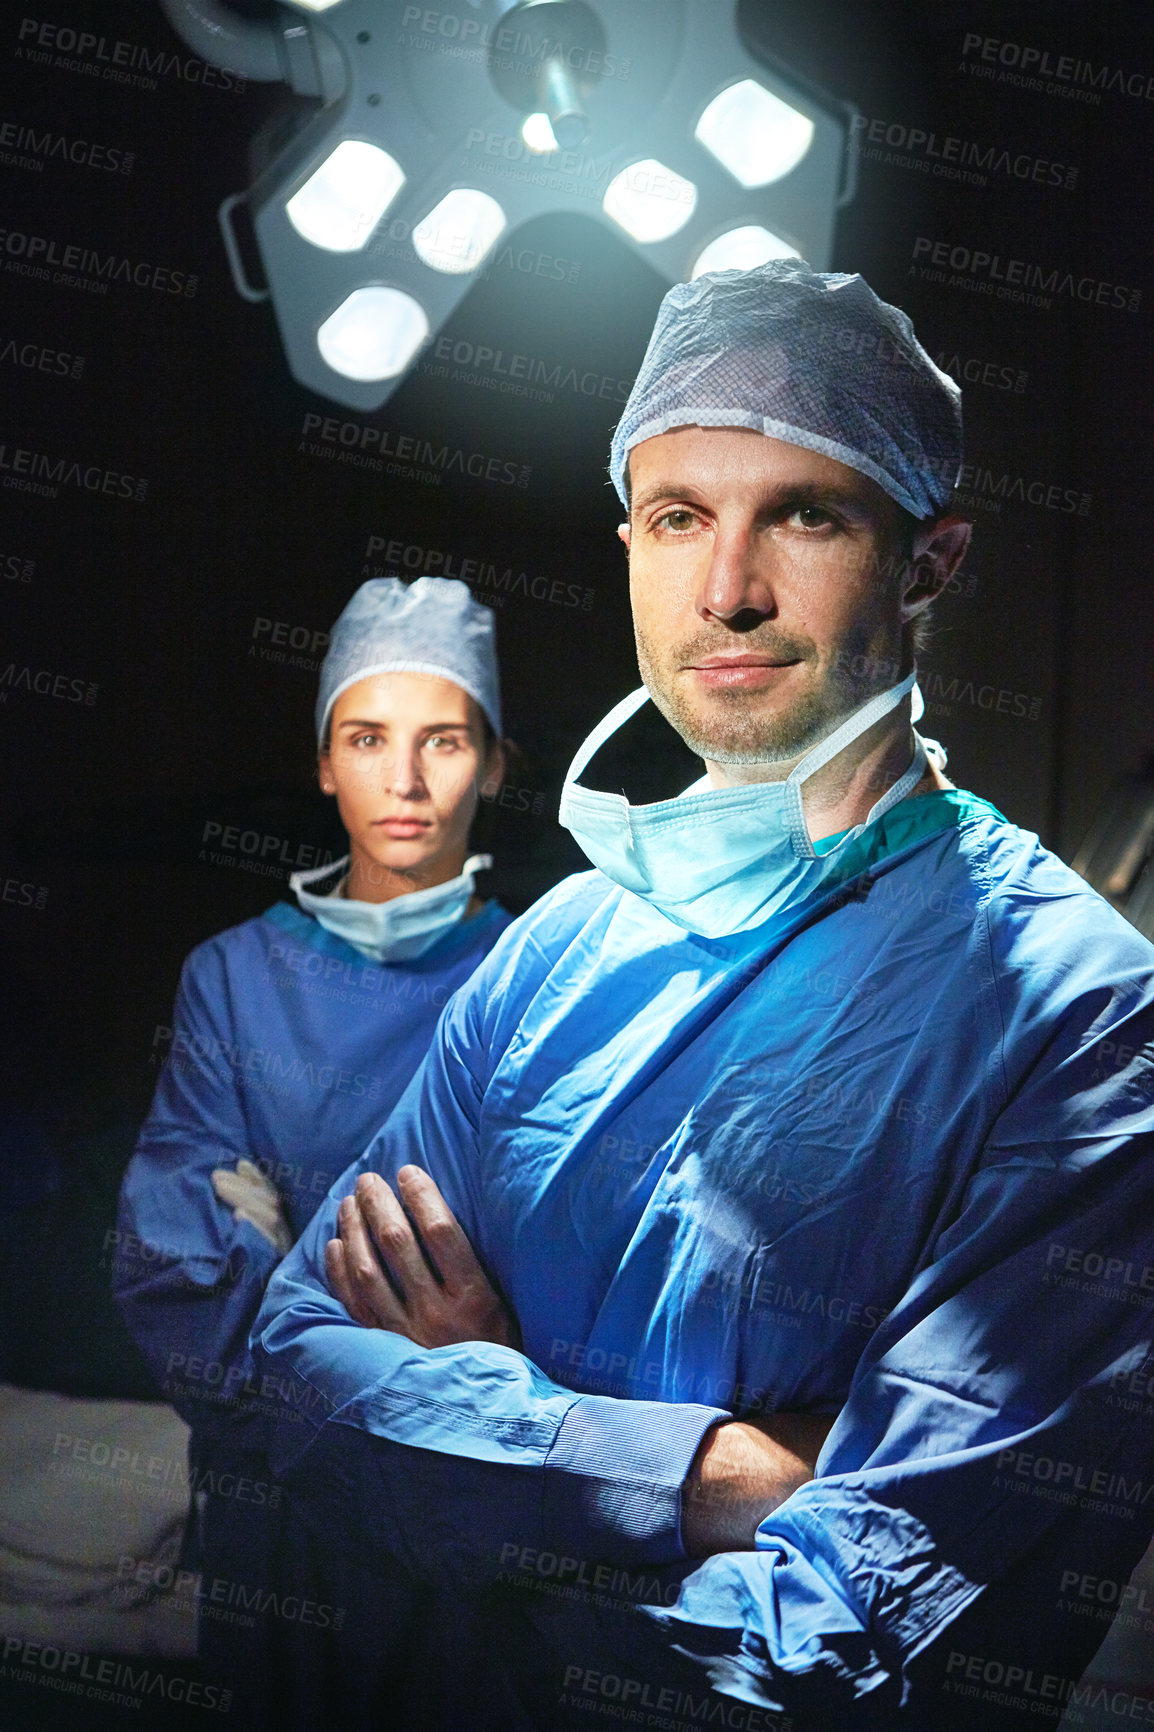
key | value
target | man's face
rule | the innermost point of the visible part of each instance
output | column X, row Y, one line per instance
column 766, row 585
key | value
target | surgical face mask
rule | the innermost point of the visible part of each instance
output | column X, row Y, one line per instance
column 720, row 861
column 396, row 931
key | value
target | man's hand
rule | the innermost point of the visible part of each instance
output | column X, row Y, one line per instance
column 741, row 1472
column 431, row 1287
column 253, row 1197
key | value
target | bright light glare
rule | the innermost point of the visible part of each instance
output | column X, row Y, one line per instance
column 458, row 232
column 374, row 334
column 754, row 134
column 742, row 250
column 340, row 205
column 314, row 5
column 649, row 201
column 538, row 134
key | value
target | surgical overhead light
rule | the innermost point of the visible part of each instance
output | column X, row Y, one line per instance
column 649, row 201
column 742, row 249
column 341, row 203
column 373, row 335
column 423, row 137
column 539, row 135
column 754, row 134
column 458, row 233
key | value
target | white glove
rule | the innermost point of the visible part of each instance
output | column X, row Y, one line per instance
column 253, row 1198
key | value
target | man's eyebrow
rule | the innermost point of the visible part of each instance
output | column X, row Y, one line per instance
column 664, row 490
column 827, row 493
column 777, row 496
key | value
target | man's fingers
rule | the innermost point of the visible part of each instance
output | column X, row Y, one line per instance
column 341, row 1286
column 401, row 1291
column 362, row 1269
column 392, row 1233
column 442, row 1233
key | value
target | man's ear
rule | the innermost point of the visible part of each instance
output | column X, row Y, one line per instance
column 938, row 550
column 623, row 532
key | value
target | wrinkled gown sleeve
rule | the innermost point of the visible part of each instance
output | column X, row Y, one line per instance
column 987, row 1448
column 982, row 1418
column 188, row 1276
column 596, row 1475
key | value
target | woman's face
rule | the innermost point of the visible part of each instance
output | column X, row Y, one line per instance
column 406, row 761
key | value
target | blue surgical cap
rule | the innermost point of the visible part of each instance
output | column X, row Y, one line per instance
column 813, row 359
column 432, row 626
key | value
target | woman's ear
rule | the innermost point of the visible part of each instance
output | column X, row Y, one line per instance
column 325, row 772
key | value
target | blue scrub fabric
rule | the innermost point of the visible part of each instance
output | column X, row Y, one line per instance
column 893, row 1163
column 288, row 1048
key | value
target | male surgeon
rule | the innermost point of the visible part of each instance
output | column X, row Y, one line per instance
column 744, row 1318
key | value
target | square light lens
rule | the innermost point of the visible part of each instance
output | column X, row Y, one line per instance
column 649, row 201
column 373, row 334
column 458, row 232
column 742, row 249
column 341, row 203
column 754, row 134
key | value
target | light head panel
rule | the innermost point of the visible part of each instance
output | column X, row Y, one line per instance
column 437, row 135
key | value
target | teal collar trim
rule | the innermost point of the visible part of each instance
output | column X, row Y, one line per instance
column 908, row 822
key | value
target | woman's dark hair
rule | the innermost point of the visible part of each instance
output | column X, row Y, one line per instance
column 487, row 818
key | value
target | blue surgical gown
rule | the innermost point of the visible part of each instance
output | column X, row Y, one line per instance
column 288, row 1048
column 891, row 1160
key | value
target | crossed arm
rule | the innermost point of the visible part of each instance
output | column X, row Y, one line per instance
column 448, row 1458
column 405, row 1264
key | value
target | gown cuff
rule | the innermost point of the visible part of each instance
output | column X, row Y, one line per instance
column 614, row 1473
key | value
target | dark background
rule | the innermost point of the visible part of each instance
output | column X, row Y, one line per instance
column 155, row 603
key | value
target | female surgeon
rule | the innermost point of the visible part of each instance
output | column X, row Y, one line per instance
column 294, row 1035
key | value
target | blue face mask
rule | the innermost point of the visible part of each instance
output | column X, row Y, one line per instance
column 396, row 931
column 719, row 861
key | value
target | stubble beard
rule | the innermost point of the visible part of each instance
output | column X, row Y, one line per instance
column 732, row 730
